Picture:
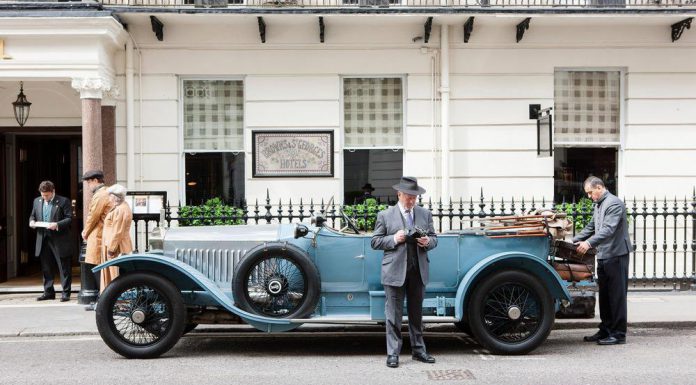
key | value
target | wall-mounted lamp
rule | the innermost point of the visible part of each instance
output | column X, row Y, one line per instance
column 21, row 106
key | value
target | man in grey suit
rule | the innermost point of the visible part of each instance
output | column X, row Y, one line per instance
column 607, row 231
column 405, row 267
column 51, row 217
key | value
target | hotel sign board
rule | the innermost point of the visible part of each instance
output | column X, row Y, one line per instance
column 292, row 154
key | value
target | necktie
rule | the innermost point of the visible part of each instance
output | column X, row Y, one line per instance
column 409, row 218
column 47, row 211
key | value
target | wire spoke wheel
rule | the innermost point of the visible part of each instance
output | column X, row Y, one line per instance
column 276, row 280
column 141, row 315
column 511, row 313
column 276, row 286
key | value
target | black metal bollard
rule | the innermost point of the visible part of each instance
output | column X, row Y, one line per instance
column 89, row 286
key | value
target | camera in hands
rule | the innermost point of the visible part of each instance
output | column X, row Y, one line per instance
column 413, row 234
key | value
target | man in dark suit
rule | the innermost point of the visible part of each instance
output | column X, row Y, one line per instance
column 607, row 231
column 51, row 217
column 405, row 267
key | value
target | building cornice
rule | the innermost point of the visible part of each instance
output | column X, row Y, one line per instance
column 105, row 26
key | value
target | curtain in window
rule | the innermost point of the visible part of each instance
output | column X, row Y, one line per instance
column 586, row 106
column 373, row 112
column 213, row 115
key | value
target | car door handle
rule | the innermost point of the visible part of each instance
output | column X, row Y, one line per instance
column 359, row 256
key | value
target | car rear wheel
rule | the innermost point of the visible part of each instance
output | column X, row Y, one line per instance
column 278, row 281
column 511, row 312
column 141, row 315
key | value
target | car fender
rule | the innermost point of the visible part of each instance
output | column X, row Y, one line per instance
column 186, row 278
column 510, row 260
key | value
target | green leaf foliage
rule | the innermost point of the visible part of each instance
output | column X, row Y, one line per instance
column 579, row 212
column 364, row 214
column 214, row 212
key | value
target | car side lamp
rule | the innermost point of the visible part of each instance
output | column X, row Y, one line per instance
column 301, row 230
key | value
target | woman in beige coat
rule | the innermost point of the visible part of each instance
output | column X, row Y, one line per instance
column 116, row 234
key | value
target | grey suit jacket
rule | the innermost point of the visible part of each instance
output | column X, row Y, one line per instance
column 394, row 261
column 608, row 228
column 61, row 244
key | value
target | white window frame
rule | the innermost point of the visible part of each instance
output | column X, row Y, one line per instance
column 621, row 144
column 403, row 112
column 183, row 151
column 404, row 87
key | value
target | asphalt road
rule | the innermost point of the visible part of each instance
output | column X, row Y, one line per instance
column 651, row 356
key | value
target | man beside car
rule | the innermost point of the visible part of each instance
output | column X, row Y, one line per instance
column 607, row 231
column 405, row 233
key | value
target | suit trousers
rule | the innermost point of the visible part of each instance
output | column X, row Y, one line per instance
column 414, row 290
column 49, row 261
column 612, row 274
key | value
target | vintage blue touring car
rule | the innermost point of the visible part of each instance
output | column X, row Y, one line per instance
column 502, row 290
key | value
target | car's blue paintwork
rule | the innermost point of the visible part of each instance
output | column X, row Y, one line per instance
column 349, row 270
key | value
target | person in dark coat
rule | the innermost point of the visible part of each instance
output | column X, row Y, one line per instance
column 607, row 231
column 367, row 194
column 405, row 268
column 51, row 216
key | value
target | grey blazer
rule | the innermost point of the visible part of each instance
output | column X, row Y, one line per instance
column 61, row 243
column 608, row 228
column 394, row 260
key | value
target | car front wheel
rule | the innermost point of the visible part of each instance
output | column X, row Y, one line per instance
column 141, row 315
column 511, row 312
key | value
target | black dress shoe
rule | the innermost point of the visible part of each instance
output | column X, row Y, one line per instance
column 393, row 361
column 595, row 337
column 424, row 357
column 611, row 340
column 45, row 297
column 65, row 298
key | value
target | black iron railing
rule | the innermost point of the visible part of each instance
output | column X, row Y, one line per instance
column 663, row 231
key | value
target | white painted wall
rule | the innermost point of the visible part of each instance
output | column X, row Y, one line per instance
column 293, row 82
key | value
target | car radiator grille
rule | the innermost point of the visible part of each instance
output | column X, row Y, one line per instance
column 216, row 264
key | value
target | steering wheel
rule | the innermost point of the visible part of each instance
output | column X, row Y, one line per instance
column 350, row 223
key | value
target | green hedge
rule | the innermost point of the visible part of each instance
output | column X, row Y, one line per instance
column 210, row 213
column 365, row 214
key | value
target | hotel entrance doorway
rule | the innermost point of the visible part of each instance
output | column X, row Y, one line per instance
column 55, row 157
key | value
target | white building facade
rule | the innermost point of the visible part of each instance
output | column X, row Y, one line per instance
column 399, row 93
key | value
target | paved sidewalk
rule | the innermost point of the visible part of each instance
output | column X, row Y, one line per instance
column 21, row 315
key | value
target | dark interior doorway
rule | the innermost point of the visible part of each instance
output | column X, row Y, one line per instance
column 214, row 175
column 574, row 164
column 381, row 168
column 38, row 158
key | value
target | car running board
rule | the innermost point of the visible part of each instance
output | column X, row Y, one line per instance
column 363, row 320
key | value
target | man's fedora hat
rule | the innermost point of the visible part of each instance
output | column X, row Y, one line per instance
column 409, row 185
column 367, row 186
column 93, row 174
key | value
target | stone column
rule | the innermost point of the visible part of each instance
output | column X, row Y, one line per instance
column 91, row 92
column 108, row 111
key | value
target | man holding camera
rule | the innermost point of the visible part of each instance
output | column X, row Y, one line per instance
column 405, row 232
